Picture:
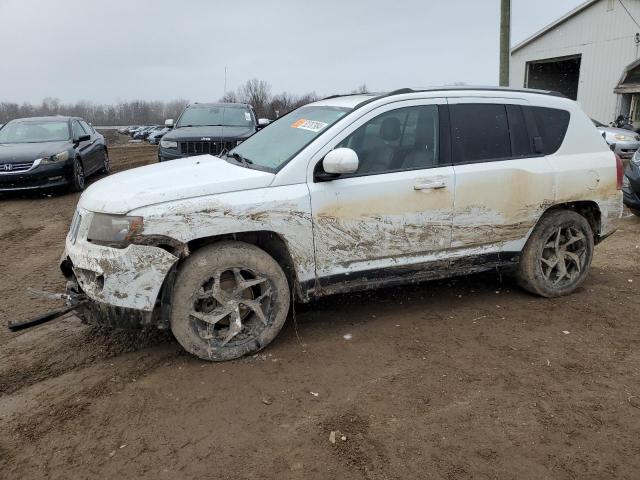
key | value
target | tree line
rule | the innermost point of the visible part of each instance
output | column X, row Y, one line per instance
column 143, row 112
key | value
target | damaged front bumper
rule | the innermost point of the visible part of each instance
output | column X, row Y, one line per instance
column 122, row 286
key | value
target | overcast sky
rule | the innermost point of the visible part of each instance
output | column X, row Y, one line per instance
column 167, row 49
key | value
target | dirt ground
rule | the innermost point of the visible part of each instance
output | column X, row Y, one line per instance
column 460, row 379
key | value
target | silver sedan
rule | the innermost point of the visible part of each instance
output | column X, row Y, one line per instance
column 626, row 141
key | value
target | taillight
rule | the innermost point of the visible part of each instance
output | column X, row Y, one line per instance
column 619, row 171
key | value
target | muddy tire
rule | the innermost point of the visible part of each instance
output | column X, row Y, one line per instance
column 78, row 179
column 556, row 259
column 230, row 299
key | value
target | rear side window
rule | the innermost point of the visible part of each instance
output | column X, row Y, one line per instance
column 480, row 132
column 551, row 125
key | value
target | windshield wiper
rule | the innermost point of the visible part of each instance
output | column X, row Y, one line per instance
column 239, row 158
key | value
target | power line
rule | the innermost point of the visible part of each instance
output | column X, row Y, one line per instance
column 629, row 13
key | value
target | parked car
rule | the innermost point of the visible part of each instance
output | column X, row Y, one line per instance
column 142, row 133
column 348, row 193
column 626, row 141
column 213, row 128
column 47, row 152
column 134, row 130
column 631, row 185
column 156, row 135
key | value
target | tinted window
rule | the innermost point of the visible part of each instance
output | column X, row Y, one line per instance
column 480, row 132
column 551, row 124
column 402, row 139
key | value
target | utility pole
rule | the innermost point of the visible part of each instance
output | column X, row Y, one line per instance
column 505, row 41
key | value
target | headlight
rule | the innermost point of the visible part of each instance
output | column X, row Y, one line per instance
column 58, row 157
column 114, row 230
column 168, row 144
column 624, row 138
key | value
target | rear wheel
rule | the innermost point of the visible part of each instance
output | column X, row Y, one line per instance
column 78, row 179
column 230, row 299
column 557, row 256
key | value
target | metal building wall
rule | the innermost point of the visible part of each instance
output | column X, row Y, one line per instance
column 606, row 40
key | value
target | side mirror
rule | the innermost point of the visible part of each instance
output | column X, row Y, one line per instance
column 168, row 123
column 340, row 161
column 263, row 122
column 83, row 138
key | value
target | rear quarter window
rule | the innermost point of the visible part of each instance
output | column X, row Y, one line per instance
column 551, row 125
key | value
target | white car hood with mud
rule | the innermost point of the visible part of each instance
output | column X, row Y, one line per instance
column 164, row 182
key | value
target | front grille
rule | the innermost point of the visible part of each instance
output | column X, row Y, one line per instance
column 201, row 148
column 15, row 167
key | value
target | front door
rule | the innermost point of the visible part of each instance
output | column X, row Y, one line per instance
column 395, row 212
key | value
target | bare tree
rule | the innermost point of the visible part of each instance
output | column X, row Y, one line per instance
column 229, row 97
column 256, row 93
column 361, row 89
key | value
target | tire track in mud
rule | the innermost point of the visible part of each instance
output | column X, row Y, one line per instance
column 35, row 359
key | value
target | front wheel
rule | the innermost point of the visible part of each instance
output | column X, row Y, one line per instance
column 557, row 256
column 106, row 163
column 230, row 299
column 78, row 180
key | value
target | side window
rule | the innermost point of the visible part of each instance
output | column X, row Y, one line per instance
column 402, row 139
column 88, row 128
column 78, row 131
column 480, row 132
column 551, row 125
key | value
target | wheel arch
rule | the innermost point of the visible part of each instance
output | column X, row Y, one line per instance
column 589, row 209
column 271, row 242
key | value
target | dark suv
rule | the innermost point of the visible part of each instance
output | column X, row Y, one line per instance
column 208, row 128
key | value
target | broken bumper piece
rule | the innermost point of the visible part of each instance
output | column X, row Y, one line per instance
column 128, row 278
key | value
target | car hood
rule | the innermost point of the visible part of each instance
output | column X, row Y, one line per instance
column 168, row 181
column 196, row 134
column 28, row 152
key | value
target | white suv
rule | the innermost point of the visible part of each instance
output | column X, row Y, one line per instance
column 348, row 193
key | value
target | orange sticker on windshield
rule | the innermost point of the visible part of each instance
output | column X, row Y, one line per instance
column 311, row 125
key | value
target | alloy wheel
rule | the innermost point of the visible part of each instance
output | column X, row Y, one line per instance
column 232, row 306
column 79, row 174
column 564, row 256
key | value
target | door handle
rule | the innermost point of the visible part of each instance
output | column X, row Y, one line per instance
column 432, row 185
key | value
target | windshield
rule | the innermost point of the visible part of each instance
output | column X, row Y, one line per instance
column 232, row 116
column 278, row 143
column 32, row 132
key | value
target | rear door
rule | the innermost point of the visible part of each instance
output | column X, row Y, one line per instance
column 502, row 184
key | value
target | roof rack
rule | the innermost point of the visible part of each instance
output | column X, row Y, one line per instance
column 402, row 91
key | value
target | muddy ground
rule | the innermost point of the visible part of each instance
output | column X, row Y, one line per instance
column 460, row 379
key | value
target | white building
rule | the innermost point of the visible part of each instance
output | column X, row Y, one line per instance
column 590, row 55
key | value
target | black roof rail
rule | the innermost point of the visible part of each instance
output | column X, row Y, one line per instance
column 402, row 91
